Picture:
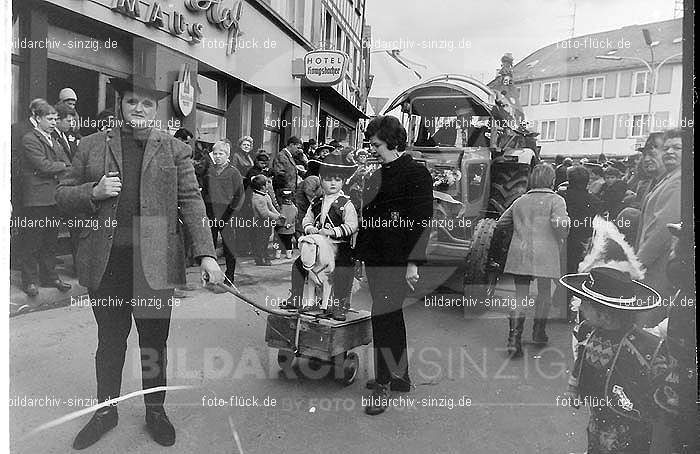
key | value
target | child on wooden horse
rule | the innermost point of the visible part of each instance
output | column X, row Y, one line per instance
column 332, row 215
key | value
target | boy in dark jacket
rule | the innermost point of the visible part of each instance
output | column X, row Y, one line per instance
column 613, row 192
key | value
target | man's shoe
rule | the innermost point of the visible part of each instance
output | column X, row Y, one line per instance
column 159, row 427
column 101, row 422
column 378, row 401
column 59, row 284
column 396, row 385
column 31, row 290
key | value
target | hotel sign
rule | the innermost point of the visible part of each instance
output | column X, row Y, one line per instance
column 224, row 18
column 325, row 67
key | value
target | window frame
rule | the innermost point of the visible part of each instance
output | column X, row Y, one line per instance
column 551, row 131
column 551, row 85
column 602, row 88
column 646, row 83
column 645, row 127
column 583, row 128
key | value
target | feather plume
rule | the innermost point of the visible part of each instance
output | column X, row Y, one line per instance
column 608, row 248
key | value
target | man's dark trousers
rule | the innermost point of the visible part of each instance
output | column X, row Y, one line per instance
column 228, row 243
column 387, row 285
column 124, row 283
column 38, row 245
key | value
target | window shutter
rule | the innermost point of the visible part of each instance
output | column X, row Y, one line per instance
column 561, row 129
column 622, row 126
column 610, row 85
column 625, row 83
column 660, row 121
column 535, row 96
column 663, row 84
column 525, row 94
column 574, row 126
column 576, row 88
column 606, row 131
column 564, row 86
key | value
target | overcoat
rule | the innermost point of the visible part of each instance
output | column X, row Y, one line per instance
column 661, row 206
column 167, row 181
column 540, row 224
column 42, row 165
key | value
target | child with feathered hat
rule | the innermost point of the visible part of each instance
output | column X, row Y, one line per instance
column 620, row 370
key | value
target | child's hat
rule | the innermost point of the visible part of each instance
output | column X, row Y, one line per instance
column 610, row 272
column 334, row 164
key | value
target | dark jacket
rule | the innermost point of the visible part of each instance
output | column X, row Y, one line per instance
column 612, row 196
column 17, row 132
column 285, row 171
column 42, row 166
column 582, row 207
column 167, row 183
column 397, row 207
column 223, row 193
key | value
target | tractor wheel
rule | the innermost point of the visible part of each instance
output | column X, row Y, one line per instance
column 478, row 282
column 508, row 182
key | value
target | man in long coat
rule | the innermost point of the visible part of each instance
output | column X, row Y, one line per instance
column 132, row 179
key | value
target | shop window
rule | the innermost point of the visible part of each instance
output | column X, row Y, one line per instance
column 15, row 93
column 210, row 127
column 272, row 127
column 212, row 93
column 246, row 114
column 307, row 121
column 211, row 109
column 15, row 36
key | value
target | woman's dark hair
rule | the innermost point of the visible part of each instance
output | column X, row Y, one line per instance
column 387, row 129
column 578, row 177
column 258, row 182
column 672, row 134
column 611, row 171
column 64, row 110
column 182, row 133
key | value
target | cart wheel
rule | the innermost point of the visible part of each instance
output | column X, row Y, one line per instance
column 351, row 364
column 315, row 364
column 285, row 358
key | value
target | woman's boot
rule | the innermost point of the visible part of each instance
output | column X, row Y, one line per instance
column 539, row 336
column 514, row 347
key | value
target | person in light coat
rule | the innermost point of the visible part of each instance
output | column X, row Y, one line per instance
column 661, row 206
column 540, row 224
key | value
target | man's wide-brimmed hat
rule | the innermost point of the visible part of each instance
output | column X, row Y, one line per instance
column 138, row 84
column 612, row 288
column 334, row 164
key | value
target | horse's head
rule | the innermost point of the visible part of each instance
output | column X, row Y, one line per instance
column 316, row 250
column 308, row 248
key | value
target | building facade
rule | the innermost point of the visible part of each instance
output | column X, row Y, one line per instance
column 594, row 94
column 238, row 56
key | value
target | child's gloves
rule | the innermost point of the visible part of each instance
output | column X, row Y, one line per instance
column 326, row 232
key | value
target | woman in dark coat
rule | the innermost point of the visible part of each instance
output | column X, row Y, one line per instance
column 392, row 239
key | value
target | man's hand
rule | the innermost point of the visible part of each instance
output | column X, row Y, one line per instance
column 211, row 272
column 326, row 232
column 110, row 185
column 412, row 275
column 311, row 230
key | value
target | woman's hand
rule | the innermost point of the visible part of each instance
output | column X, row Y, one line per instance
column 412, row 275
